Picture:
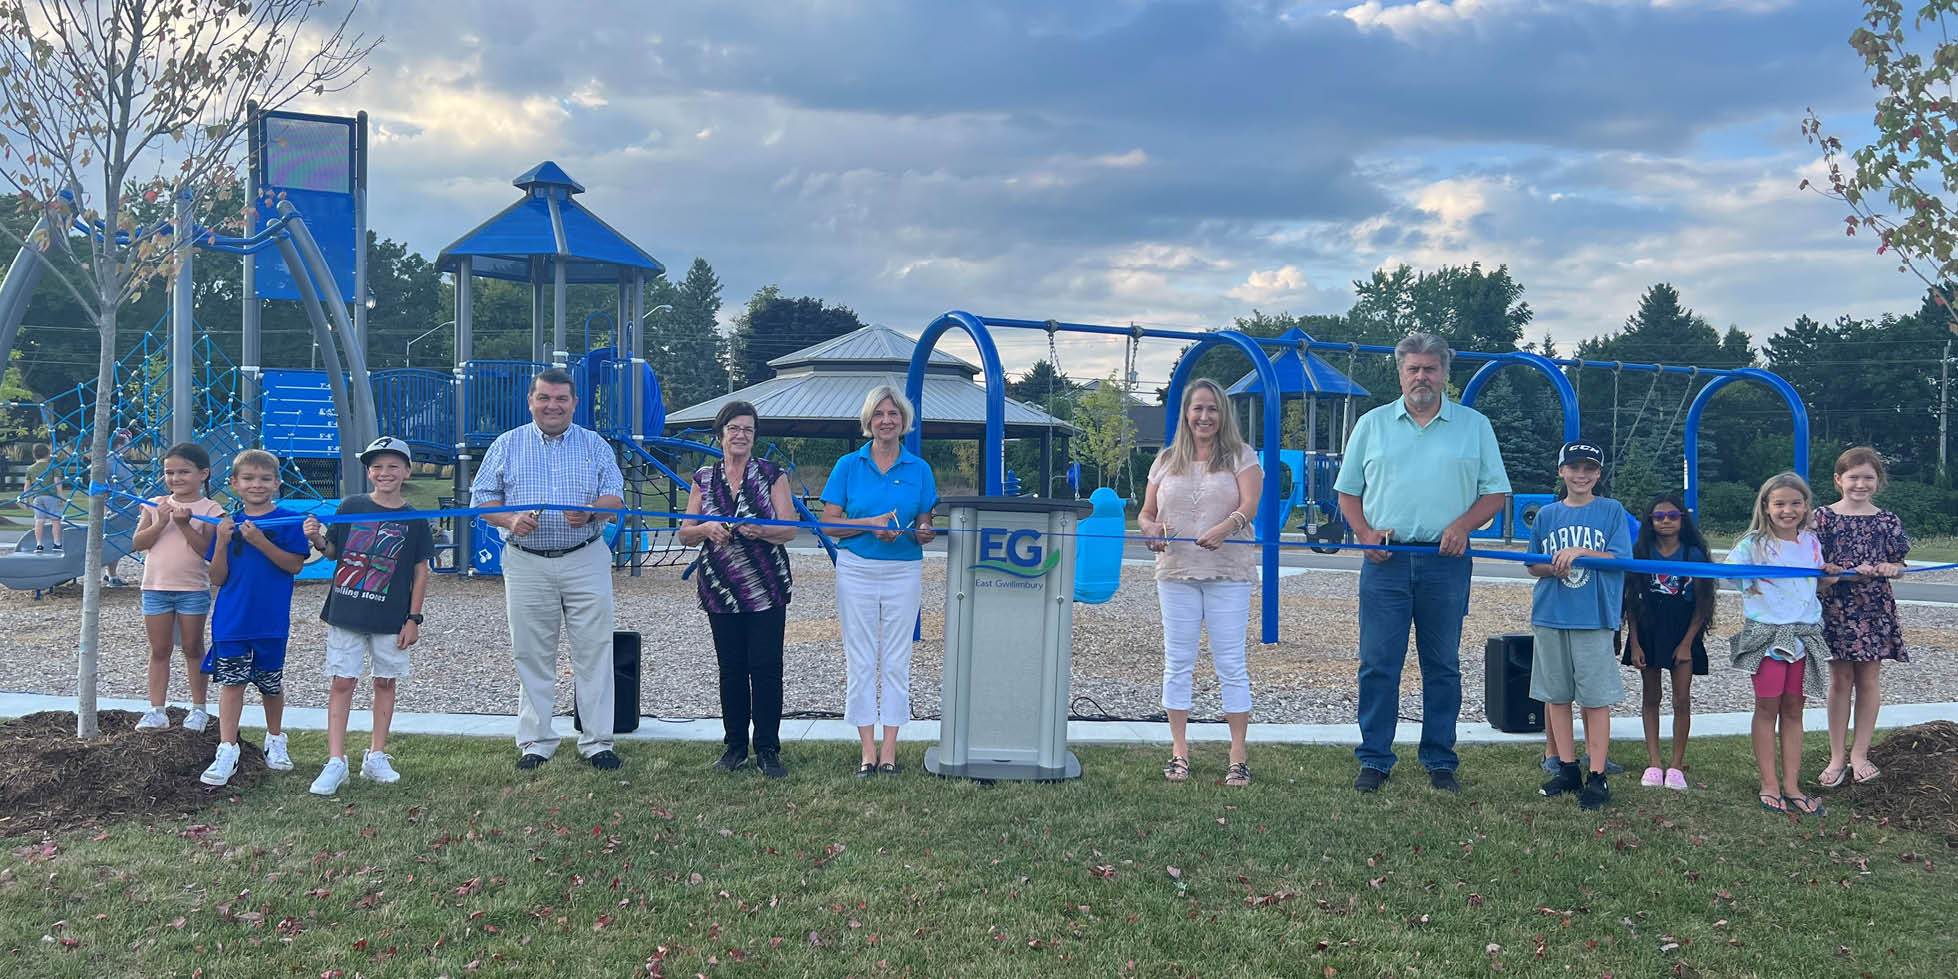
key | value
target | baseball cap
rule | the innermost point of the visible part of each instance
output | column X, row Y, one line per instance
column 1575, row 452
column 386, row 443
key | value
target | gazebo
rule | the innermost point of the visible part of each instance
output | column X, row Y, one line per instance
column 818, row 392
column 1302, row 374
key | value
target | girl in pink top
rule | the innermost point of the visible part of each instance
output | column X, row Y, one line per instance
column 177, row 581
column 1205, row 485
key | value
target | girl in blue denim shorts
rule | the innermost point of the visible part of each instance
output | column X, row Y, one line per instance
column 177, row 581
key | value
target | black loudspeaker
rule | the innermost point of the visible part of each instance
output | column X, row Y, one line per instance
column 1506, row 684
column 625, row 685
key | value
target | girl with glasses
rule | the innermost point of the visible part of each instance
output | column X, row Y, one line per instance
column 1668, row 615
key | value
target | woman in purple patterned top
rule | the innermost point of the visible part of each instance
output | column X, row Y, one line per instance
column 744, row 585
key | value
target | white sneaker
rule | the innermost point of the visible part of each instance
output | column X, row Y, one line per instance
column 331, row 777
column 154, row 719
column 276, row 758
column 196, row 720
column 222, row 767
column 376, row 767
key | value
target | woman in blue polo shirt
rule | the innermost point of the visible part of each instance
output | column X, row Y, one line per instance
column 888, row 492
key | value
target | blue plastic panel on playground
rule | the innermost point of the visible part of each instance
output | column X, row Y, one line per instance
column 330, row 217
column 309, row 161
column 298, row 415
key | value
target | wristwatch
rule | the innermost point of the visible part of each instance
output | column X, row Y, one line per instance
column 415, row 617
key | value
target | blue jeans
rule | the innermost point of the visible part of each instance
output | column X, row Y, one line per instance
column 1431, row 592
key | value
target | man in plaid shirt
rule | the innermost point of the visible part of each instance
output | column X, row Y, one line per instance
column 557, row 571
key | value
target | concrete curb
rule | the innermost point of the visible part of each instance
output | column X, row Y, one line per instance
column 1078, row 732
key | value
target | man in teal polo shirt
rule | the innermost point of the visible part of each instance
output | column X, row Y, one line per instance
column 1420, row 471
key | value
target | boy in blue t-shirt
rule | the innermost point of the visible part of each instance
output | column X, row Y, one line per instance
column 1573, row 615
column 252, row 567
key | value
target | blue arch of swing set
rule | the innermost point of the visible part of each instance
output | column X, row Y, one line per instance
column 992, row 464
column 1566, row 394
column 1775, row 383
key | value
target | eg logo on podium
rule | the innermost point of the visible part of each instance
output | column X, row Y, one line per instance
column 1014, row 552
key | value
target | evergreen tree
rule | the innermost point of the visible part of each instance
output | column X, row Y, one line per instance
column 685, row 342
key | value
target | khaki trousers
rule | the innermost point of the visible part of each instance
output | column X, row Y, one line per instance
column 573, row 594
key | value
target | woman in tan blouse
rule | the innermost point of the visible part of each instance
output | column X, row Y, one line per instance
column 1204, row 485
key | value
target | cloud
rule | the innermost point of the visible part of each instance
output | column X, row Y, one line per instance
column 1176, row 162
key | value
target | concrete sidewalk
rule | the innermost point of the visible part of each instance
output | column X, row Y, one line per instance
column 504, row 726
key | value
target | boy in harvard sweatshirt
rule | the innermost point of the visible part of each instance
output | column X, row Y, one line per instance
column 373, row 612
column 1573, row 615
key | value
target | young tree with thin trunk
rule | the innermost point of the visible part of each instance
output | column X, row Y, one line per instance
column 111, row 102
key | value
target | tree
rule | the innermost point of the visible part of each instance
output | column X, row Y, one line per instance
column 772, row 326
column 685, row 342
column 110, row 102
column 1106, row 432
column 1912, row 166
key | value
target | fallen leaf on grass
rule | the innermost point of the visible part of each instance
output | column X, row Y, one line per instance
column 1103, row 871
column 469, row 887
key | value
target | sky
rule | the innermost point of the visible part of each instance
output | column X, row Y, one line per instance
column 1169, row 162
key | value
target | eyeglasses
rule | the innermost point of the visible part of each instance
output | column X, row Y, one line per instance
column 738, row 430
column 1667, row 514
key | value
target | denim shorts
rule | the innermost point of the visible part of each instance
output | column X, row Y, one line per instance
column 181, row 602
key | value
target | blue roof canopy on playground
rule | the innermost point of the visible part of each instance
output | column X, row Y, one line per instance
column 1300, row 377
column 527, row 240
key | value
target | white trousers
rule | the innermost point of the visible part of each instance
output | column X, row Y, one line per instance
column 572, row 594
column 1190, row 606
column 877, row 606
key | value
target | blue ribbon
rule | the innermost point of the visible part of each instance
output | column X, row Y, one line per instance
column 1691, row 569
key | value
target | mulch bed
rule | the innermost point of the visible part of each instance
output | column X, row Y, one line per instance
column 50, row 781
column 1919, row 786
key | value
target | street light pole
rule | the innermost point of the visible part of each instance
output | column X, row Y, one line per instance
column 408, row 352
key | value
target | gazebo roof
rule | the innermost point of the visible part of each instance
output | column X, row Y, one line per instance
column 525, row 241
column 1310, row 377
column 818, row 392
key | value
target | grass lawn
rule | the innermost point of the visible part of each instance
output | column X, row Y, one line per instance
column 469, row 868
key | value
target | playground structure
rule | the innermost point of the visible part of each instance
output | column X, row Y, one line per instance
column 177, row 385
column 1265, row 434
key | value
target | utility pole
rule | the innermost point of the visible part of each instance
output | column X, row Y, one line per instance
column 1944, row 410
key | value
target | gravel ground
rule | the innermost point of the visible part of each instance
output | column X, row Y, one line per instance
column 463, row 664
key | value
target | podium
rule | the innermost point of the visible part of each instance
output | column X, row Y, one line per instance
column 1009, row 623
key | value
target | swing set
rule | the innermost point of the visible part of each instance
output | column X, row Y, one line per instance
column 992, row 450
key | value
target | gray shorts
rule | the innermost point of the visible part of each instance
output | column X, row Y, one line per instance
column 1575, row 666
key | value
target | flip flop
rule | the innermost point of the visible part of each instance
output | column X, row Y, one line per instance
column 1833, row 776
column 1867, row 774
column 1794, row 804
column 1774, row 803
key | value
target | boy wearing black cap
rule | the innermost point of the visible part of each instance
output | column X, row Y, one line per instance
column 1573, row 615
column 374, row 610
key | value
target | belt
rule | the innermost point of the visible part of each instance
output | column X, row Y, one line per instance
column 552, row 551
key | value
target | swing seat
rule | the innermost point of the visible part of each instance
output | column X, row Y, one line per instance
column 1098, row 548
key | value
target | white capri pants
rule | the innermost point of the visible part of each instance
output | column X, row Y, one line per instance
column 1189, row 606
column 877, row 606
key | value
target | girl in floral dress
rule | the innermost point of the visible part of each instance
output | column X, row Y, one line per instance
column 1859, row 613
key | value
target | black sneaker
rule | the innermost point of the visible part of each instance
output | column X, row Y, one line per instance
column 1569, row 778
column 1369, row 780
column 528, row 762
column 1443, row 780
column 38, row 549
column 604, row 761
column 770, row 763
column 1595, row 792
column 732, row 759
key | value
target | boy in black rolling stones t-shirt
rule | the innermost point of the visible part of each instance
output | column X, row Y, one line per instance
column 374, row 610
